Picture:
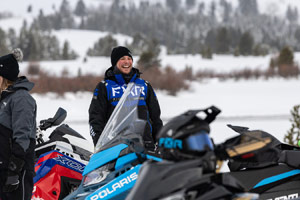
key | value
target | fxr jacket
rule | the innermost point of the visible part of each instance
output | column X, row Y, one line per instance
column 106, row 96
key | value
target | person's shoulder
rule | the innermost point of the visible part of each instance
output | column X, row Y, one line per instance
column 101, row 84
column 23, row 95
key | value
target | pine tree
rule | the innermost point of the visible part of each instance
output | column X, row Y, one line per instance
column 223, row 41
column 65, row 52
column 293, row 135
column 173, row 5
column 149, row 58
column 286, row 65
column 246, row 44
column 65, row 15
column 227, row 9
column 190, row 3
column 210, row 40
column 286, row 57
column 80, row 9
column 3, row 44
column 138, row 45
column 24, row 40
column 248, row 7
column 29, row 8
column 43, row 21
column 103, row 46
column 292, row 14
column 206, row 53
column 12, row 38
column 34, row 45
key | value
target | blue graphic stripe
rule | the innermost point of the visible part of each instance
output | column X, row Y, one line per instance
column 125, row 160
column 154, row 158
column 277, row 177
column 103, row 157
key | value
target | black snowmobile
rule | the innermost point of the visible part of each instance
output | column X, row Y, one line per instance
column 262, row 163
column 261, row 166
column 189, row 169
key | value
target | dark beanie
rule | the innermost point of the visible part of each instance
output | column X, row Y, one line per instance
column 119, row 52
column 9, row 67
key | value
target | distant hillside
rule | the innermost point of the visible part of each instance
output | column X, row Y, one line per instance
column 19, row 8
column 238, row 27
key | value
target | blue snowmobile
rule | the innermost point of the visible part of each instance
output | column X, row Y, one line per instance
column 119, row 153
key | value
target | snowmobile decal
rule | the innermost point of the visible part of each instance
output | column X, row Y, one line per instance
column 290, row 196
column 55, row 167
column 277, row 177
column 122, row 184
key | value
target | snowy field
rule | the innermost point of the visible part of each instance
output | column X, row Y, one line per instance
column 260, row 104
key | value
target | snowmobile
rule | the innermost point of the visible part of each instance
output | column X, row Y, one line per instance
column 119, row 153
column 260, row 165
column 188, row 169
column 59, row 161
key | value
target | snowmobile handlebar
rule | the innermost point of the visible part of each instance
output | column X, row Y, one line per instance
column 58, row 118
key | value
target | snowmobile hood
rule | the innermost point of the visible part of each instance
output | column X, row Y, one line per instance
column 103, row 157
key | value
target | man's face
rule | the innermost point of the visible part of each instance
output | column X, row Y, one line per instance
column 124, row 64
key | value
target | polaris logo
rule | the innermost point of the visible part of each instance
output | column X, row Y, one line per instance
column 169, row 143
column 290, row 196
column 114, row 187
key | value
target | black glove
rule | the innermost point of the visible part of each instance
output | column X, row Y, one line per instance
column 15, row 166
column 12, row 182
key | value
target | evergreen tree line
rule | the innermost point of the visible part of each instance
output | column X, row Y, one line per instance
column 35, row 44
column 240, row 31
column 148, row 49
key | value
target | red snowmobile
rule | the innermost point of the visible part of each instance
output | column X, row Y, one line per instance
column 60, row 160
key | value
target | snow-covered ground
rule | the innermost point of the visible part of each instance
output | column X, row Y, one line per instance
column 259, row 104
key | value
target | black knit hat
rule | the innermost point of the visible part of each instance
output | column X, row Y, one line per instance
column 9, row 67
column 119, row 52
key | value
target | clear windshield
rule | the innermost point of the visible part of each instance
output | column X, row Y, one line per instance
column 124, row 115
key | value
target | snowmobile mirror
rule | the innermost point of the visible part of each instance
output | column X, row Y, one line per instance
column 211, row 113
column 59, row 116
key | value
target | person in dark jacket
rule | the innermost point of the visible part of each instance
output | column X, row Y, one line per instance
column 17, row 130
column 109, row 91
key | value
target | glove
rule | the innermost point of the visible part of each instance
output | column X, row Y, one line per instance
column 12, row 182
column 15, row 166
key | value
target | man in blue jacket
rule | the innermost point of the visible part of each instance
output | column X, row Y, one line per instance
column 109, row 91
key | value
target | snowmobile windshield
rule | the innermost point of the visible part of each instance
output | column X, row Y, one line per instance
column 125, row 115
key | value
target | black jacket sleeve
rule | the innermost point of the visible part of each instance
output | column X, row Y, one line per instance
column 98, row 112
column 154, row 111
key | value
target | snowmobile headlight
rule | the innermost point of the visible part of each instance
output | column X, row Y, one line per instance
column 176, row 196
column 96, row 176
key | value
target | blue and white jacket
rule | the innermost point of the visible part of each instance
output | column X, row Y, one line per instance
column 107, row 95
